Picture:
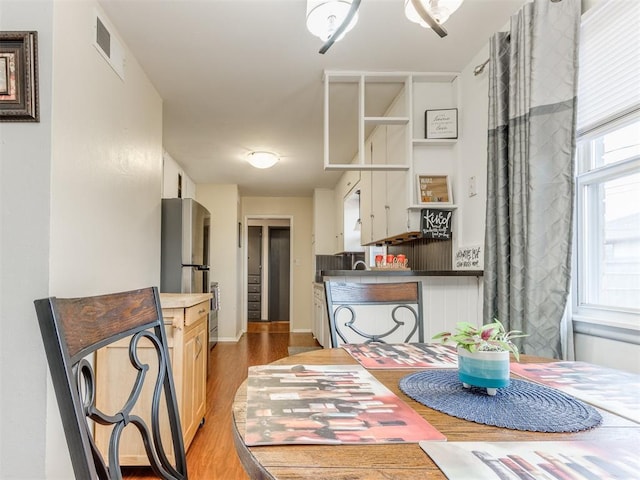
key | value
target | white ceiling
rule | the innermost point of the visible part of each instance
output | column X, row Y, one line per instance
column 243, row 75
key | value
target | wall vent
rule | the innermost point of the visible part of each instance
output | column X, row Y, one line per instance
column 108, row 46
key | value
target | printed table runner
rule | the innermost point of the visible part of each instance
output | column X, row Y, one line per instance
column 567, row 460
column 403, row 355
column 612, row 390
column 327, row 404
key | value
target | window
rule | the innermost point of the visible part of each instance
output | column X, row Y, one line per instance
column 606, row 288
column 608, row 206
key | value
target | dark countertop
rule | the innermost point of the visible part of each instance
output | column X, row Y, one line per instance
column 401, row 273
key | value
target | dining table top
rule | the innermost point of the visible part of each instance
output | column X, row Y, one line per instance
column 399, row 461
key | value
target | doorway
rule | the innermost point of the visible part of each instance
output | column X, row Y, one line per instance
column 268, row 270
column 279, row 268
column 254, row 273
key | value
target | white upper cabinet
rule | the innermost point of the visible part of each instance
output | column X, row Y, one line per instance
column 347, row 213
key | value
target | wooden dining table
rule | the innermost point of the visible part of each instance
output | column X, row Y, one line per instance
column 398, row 461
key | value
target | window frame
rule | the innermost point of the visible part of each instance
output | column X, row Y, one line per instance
column 601, row 320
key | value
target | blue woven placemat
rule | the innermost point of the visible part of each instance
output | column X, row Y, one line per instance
column 520, row 406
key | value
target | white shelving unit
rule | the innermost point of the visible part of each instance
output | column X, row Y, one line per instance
column 388, row 109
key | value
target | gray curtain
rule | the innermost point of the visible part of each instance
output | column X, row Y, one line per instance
column 531, row 143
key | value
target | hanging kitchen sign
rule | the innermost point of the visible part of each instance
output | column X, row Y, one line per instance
column 441, row 124
column 436, row 224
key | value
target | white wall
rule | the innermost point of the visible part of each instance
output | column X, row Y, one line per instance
column 608, row 353
column 106, row 179
column 472, row 149
column 106, row 166
column 80, row 212
column 300, row 209
column 171, row 170
column 222, row 203
column 25, row 151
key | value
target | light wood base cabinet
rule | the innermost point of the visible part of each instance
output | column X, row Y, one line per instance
column 185, row 318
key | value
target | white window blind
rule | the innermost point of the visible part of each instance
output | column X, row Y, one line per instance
column 609, row 84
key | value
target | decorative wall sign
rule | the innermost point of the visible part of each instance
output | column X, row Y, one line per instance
column 436, row 224
column 469, row 258
column 19, row 77
column 434, row 189
column 441, row 123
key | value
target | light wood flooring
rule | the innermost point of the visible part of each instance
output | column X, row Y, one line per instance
column 212, row 455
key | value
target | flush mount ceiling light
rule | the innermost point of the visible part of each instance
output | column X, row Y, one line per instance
column 330, row 20
column 263, row 159
column 431, row 13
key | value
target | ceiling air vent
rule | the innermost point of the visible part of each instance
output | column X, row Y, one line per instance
column 108, row 46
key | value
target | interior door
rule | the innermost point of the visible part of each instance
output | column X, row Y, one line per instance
column 254, row 273
column 279, row 282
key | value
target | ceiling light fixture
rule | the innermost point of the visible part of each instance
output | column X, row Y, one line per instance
column 325, row 16
column 439, row 10
column 263, row 159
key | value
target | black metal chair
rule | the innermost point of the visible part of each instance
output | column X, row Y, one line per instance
column 344, row 299
column 73, row 329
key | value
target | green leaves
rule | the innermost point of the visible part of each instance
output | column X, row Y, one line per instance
column 487, row 338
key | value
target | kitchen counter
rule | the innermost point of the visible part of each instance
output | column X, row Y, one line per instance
column 182, row 300
column 399, row 273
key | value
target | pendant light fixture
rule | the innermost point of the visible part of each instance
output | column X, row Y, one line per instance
column 325, row 16
column 262, row 159
column 438, row 11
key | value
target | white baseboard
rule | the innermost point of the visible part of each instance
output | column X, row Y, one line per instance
column 230, row 339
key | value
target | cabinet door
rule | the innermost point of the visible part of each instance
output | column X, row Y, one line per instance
column 317, row 310
column 379, row 185
column 114, row 380
column 398, row 184
column 366, row 208
column 339, row 219
column 194, row 380
column 320, row 317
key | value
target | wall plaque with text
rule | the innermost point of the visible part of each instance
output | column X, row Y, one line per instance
column 436, row 224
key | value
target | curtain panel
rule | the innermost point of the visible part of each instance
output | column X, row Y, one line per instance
column 530, row 175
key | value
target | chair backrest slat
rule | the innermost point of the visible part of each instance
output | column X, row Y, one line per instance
column 86, row 322
column 353, row 293
column 344, row 296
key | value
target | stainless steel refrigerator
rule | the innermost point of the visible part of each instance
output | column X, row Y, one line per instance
column 184, row 246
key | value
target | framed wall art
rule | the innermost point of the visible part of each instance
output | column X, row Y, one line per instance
column 19, row 77
column 434, row 189
column 441, row 124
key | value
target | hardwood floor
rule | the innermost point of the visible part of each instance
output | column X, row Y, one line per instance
column 212, row 455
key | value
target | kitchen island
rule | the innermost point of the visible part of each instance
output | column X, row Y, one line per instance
column 185, row 318
column 449, row 296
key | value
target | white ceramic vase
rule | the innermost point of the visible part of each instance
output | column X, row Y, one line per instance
column 488, row 370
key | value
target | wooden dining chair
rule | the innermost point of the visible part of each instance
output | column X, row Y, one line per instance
column 354, row 311
column 72, row 330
